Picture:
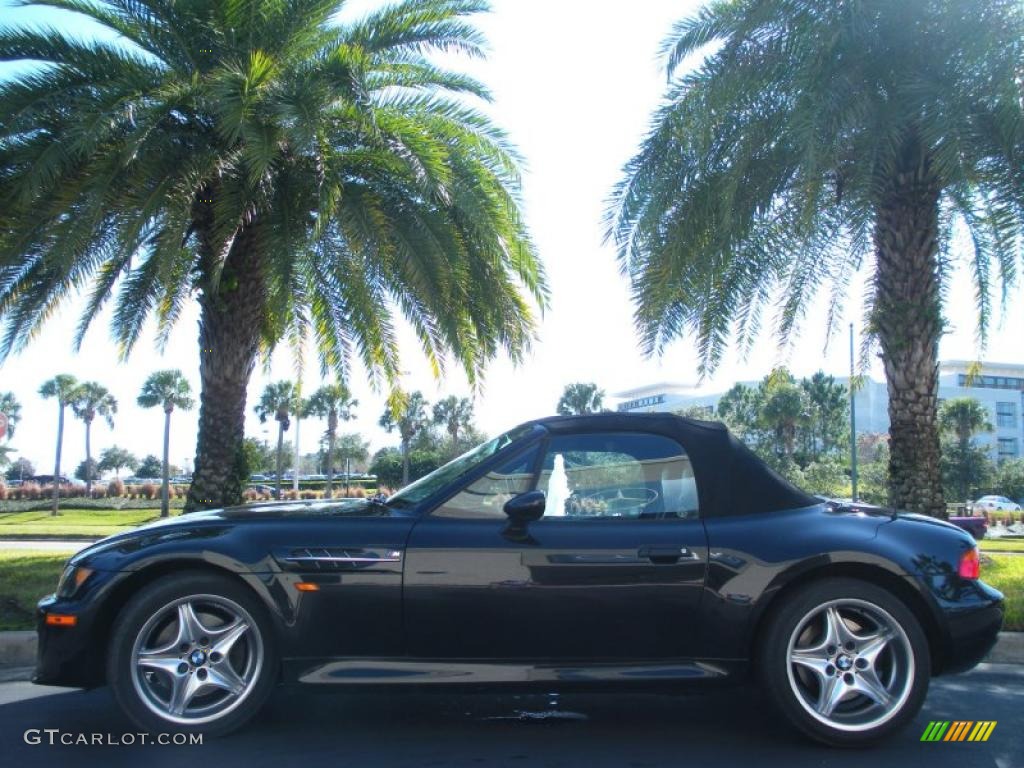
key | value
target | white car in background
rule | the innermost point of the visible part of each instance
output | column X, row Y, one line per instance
column 995, row 504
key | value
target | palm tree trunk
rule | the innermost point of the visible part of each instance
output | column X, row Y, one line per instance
column 165, row 493
column 331, row 428
column 405, row 463
column 280, row 457
column 56, row 464
column 229, row 331
column 907, row 319
column 88, row 459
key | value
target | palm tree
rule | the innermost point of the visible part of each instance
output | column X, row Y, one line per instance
column 62, row 387
column 277, row 402
column 89, row 400
column 580, row 398
column 169, row 390
column 302, row 177
column 455, row 414
column 408, row 415
column 963, row 418
column 815, row 138
column 11, row 408
column 351, row 447
column 332, row 402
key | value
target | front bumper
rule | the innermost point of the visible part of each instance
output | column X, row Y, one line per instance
column 66, row 656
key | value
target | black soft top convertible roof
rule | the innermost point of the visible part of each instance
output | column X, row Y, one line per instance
column 731, row 479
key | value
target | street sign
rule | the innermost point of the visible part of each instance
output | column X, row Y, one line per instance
column 3, row 424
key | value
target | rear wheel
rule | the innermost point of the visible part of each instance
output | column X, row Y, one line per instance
column 846, row 661
column 192, row 653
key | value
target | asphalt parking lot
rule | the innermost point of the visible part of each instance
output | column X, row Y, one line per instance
column 726, row 728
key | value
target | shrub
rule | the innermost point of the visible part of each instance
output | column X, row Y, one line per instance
column 250, row 495
column 3, row 492
column 31, row 491
column 307, row 495
column 115, row 488
column 289, row 495
column 150, row 490
column 99, row 492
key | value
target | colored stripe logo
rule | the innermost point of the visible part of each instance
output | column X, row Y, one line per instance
column 958, row 730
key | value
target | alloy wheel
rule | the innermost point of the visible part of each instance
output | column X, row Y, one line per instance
column 850, row 664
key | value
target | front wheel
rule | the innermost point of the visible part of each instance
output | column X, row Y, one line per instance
column 192, row 653
column 846, row 661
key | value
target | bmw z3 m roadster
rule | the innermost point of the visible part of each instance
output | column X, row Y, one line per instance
column 598, row 552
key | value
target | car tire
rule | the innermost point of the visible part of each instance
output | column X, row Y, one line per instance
column 192, row 653
column 826, row 662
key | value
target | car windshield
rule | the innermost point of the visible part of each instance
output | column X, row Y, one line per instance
column 427, row 485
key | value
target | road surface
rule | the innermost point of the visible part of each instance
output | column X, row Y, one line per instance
column 730, row 728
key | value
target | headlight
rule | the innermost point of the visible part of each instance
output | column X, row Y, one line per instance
column 71, row 579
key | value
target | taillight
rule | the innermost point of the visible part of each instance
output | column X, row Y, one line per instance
column 970, row 564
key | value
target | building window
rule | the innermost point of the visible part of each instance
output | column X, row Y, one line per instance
column 990, row 382
column 1008, row 448
column 1006, row 415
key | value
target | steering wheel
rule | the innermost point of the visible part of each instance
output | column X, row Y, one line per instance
column 612, row 502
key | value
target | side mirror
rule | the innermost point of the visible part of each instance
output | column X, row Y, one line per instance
column 526, row 507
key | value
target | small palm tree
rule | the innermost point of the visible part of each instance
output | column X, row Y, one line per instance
column 815, row 138
column 89, row 400
column 62, row 388
column 168, row 390
column 963, row 418
column 296, row 174
column 454, row 414
column 409, row 417
column 277, row 402
column 784, row 411
column 580, row 398
column 11, row 408
column 351, row 448
column 334, row 403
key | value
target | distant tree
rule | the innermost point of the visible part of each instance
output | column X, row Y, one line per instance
column 409, row 417
column 91, row 399
column 740, row 409
column 149, row 467
column 10, row 407
column 388, row 465
column 829, row 415
column 580, row 398
column 1009, row 479
column 168, row 390
column 61, row 388
column 454, row 415
column 784, row 411
column 20, row 469
column 334, row 403
column 277, row 402
column 116, row 459
column 963, row 418
column 86, row 471
column 258, row 458
column 351, row 449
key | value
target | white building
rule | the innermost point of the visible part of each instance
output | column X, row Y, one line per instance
column 997, row 386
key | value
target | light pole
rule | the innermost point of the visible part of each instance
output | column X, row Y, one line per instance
column 853, row 427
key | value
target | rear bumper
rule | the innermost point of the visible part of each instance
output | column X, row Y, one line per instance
column 972, row 630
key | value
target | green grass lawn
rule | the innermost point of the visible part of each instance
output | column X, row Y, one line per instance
column 26, row 576
column 1006, row 573
column 1002, row 545
column 74, row 522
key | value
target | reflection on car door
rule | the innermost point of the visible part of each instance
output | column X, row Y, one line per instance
column 614, row 569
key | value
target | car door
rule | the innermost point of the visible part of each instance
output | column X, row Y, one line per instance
column 613, row 570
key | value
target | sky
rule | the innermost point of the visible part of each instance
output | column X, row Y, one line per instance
column 575, row 82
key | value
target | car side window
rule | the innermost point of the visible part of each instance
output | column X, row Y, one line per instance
column 608, row 475
column 486, row 496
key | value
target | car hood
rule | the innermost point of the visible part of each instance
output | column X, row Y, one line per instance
column 217, row 520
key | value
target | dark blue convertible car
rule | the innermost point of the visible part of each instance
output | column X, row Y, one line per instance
column 597, row 552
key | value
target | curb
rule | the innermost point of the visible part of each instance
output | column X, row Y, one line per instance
column 18, row 653
column 63, row 537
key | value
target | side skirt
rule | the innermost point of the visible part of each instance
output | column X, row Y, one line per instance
column 359, row 672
